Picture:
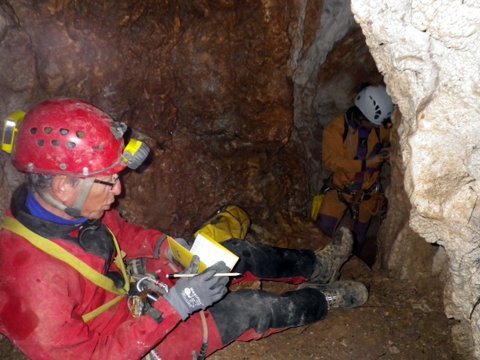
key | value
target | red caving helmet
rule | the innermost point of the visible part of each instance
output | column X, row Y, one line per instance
column 69, row 137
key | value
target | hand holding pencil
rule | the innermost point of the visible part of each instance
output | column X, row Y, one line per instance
column 198, row 291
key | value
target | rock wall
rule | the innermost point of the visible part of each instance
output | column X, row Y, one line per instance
column 428, row 52
column 206, row 84
column 231, row 95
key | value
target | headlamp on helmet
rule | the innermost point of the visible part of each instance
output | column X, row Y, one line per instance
column 135, row 153
column 10, row 129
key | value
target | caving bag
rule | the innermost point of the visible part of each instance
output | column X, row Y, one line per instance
column 228, row 222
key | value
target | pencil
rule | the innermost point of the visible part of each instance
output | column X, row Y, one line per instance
column 171, row 276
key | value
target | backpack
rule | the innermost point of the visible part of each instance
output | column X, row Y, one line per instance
column 228, row 222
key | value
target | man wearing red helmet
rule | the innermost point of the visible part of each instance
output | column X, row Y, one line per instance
column 66, row 291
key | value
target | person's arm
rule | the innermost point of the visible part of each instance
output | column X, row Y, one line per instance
column 336, row 155
column 135, row 240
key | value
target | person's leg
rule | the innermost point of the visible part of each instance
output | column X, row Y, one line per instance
column 292, row 265
column 330, row 213
column 360, row 231
column 366, row 211
column 257, row 261
column 253, row 314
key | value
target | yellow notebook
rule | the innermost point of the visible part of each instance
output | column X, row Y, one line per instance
column 208, row 250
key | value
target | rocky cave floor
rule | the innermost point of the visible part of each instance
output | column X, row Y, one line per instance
column 399, row 321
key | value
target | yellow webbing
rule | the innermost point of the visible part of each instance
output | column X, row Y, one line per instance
column 95, row 312
column 85, row 270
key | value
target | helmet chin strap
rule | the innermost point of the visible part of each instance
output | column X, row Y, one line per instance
column 76, row 209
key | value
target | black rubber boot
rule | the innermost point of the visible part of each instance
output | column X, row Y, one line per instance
column 269, row 262
column 243, row 310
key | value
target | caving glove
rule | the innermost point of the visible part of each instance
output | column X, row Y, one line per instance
column 193, row 267
column 197, row 293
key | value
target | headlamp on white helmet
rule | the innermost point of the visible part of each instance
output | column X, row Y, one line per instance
column 375, row 104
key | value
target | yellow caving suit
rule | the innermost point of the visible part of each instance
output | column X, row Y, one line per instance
column 345, row 148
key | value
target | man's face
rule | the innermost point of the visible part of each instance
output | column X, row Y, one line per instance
column 101, row 196
column 367, row 124
column 364, row 122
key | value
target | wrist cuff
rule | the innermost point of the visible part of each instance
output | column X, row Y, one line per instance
column 176, row 301
column 158, row 245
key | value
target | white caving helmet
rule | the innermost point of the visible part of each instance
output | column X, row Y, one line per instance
column 375, row 104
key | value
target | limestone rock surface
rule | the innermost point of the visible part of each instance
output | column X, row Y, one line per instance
column 428, row 52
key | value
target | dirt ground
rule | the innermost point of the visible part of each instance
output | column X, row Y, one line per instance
column 399, row 321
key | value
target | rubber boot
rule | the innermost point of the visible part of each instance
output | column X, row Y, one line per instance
column 261, row 311
column 330, row 259
column 341, row 294
column 270, row 262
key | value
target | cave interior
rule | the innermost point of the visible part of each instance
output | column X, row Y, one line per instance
column 232, row 98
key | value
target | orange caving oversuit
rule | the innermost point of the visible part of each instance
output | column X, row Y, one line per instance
column 352, row 185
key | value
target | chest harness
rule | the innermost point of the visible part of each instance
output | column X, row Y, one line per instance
column 84, row 269
column 144, row 287
column 353, row 196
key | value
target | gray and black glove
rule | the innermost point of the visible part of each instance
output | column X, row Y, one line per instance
column 193, row 267
column 197, row 293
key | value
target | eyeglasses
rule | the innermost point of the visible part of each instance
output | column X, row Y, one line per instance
column 108, row 183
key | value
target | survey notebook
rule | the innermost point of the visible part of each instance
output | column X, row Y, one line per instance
column 208, row 250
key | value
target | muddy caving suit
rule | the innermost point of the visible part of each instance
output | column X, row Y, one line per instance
column 352, row 186
column 42, row 299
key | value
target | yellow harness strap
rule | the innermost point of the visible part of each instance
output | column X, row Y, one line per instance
column 85, row 270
